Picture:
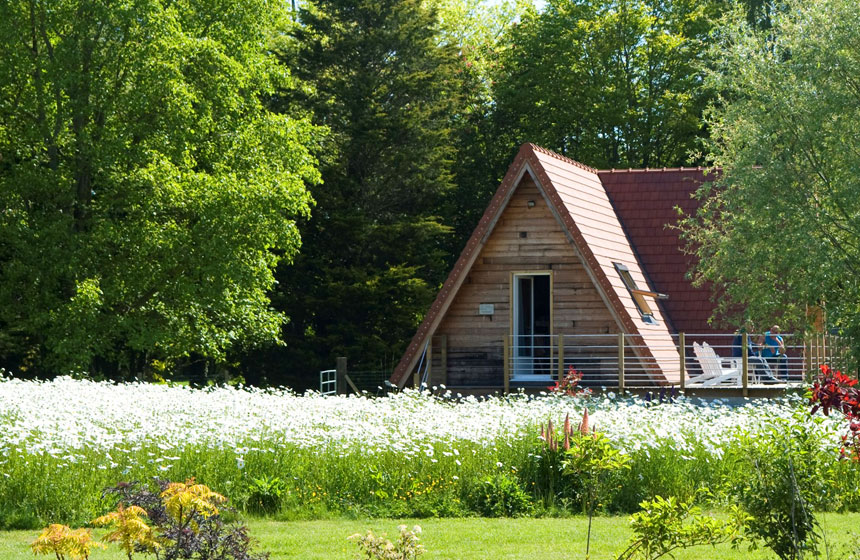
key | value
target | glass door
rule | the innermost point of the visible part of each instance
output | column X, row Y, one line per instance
column 532, row 326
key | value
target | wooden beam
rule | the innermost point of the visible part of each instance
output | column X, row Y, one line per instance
column 745, row 362
column 560, row 357
column 351, row 384
column 443, row 359
column 429, row 362
column 340, row 368
column 683, row 363
column 506, row 366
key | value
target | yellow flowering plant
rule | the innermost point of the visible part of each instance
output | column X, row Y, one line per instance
column 64, row 543
column 165, row 520
column 130, row 530
column 185, row 500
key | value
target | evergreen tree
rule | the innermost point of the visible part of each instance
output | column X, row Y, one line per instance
column 372, row 260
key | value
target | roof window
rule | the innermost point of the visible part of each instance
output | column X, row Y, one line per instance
column 638, row 295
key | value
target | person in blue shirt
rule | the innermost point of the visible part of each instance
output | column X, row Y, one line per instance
column 759, row 365
column 773, row 350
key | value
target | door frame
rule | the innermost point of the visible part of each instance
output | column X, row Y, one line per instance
column 518, row 372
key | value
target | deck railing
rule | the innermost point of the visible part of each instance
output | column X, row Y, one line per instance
column 690, row 360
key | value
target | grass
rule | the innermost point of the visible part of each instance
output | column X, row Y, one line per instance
column 467, row 539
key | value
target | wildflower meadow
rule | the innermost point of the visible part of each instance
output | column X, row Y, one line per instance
column 419, row 454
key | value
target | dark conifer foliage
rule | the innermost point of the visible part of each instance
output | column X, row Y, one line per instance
column 372, row 255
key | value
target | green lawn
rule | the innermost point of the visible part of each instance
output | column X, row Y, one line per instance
column 464, row 539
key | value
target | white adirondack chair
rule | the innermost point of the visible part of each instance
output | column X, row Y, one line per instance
column 714, row 373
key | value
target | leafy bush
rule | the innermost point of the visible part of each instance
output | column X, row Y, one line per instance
column 785, row 479
column 667, row 524
column 375, row 547
column 64, row 543
column 265, row 494
column 835, row 391
column 568, row 385
column 186, row 518
column 500, row 495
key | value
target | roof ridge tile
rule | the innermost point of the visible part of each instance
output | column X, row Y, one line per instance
column 653, row 169
column 558, row 156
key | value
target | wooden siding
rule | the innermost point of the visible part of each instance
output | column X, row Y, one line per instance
column 475, row 342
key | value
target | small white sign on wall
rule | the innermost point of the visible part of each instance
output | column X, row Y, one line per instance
column 486, row 309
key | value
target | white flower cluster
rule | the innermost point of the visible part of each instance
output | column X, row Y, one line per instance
column 63, row 416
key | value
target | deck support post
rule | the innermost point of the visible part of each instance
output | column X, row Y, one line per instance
column 745, row 362
column 560, row 357
column 682, row 377
column 443, row 359
column 621, row 362
column 821, row 351
column 340, row 372
column 429, row 368
column 506, row 366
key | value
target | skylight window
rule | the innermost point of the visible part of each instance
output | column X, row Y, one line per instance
column 637, row 294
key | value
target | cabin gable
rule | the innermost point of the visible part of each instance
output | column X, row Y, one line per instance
column 527, row 239
column 549, row 257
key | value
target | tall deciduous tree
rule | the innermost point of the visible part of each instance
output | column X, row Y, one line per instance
column 144, row 187
column 385, row 85
column 477, row 29
column 779, row 231
column 612, row 83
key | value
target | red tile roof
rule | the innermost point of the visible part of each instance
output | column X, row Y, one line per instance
column 645, row 201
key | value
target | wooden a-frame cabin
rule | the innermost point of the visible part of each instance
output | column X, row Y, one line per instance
column 555, row 273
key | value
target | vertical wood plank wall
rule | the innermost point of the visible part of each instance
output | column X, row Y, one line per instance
column 475, row 342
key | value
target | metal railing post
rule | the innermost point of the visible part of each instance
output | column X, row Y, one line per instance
column 621, row 362
column 683, row 363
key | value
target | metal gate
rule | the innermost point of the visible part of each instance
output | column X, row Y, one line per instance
column 328, row 382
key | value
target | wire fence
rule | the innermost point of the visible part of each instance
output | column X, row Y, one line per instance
column 371, row 381
column 686, row 360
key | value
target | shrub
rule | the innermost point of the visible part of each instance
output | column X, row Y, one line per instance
column 665, row 525
column 265, row 494
column 569, row 385
column 500, row 495
column 130, row 530
column 187, row 519
column 63, row 542
column 407, row 546
column 785, row 479
column 835, row 391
